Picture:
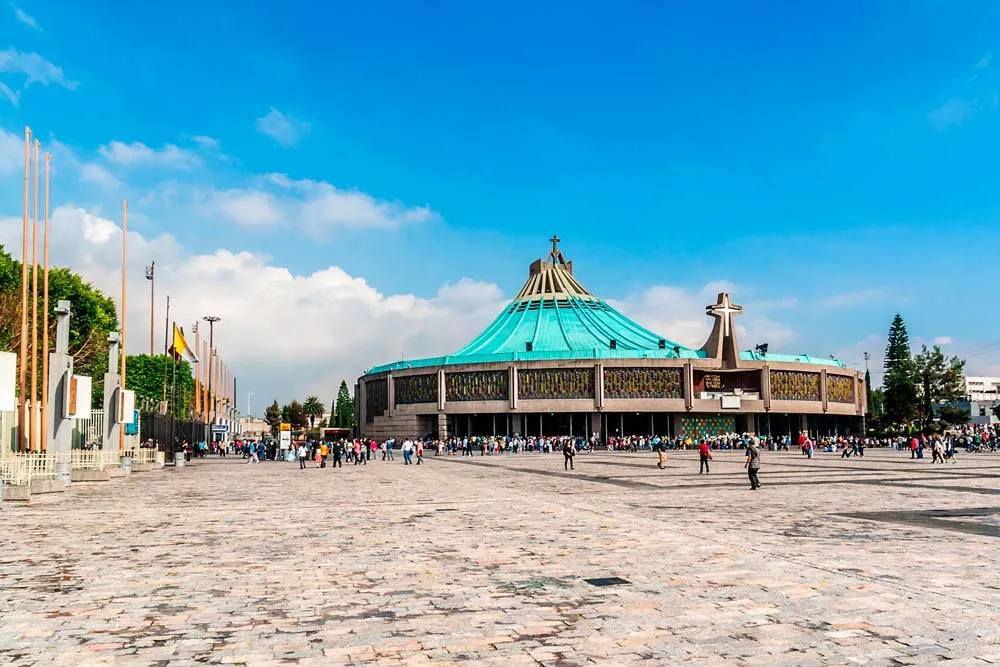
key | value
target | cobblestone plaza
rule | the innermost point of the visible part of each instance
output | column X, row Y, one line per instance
column 486, row 561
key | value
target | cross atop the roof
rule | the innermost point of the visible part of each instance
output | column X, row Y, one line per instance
column 556, row 255
column 724, row 310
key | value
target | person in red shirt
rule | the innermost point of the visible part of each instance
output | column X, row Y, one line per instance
column 705, row 454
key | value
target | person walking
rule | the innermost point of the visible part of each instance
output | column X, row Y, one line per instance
column 704, row 455
column 420, row 452
column 387, row 454
column 338, row 454
column 661, row 455
column 938, row 451
column 568, row 454
column 302, row 452
column 753, row 465
column 407, row 451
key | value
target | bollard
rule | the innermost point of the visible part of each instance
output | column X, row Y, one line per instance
column 178, row 459
column 126, row 462
column 159, row 457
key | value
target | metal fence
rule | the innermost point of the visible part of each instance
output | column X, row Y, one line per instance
column 169, row 433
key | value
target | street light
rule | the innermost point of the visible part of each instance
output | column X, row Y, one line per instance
column 211, row 319
column 151, row 277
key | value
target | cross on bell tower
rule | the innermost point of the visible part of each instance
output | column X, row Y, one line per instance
column 722, row 344
column 555, row 255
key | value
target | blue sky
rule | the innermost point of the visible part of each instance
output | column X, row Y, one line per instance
column 832, row 163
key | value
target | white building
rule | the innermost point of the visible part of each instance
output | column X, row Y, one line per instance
column 986, row 389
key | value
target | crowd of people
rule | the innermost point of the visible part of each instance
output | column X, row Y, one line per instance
column 359, row 451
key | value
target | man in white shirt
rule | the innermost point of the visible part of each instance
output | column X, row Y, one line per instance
column 407, row 451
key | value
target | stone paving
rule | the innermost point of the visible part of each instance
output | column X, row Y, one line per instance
column 484, row 561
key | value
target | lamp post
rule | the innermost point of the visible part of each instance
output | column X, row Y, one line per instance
column 864, row 408
column 249, row 395
column 151, row 277
column 211, row 319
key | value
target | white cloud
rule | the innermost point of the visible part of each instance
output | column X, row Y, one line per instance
column 35, row 68
column 679, row 314
column 139, row 154
column 11, row 153
column 250, row 208
column 97, row 175
column 284, row 334
column 315, row 207
column 13, row 96
column 943, row 340
column 282, row 128
column 24, row 17
column 952, row 113
column 207, row 143
column 984, row 62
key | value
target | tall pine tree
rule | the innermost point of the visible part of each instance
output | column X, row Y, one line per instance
column 900, row 380
column 344, row 410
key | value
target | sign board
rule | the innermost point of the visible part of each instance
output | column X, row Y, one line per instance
column 132, row 428
column 126, row 405
column 730, row 402
column 79, row 393
column 8, row 381
column 284, row 427
column 285, row 439
column 220, row 428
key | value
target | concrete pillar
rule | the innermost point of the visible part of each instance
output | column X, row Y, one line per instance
column 595, row 424
column 599, row 386
column 822, row 390
column 362, row 406
column 59, row 428
column 513, row 387
column 688, row 386
column 441, row 389
column 112, row 381
column 391, row 389
column 765, row 386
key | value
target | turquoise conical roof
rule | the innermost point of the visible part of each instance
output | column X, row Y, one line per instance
column 553, row 313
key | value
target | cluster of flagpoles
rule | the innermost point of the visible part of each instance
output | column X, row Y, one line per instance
column 215, row 384
column 32, row 410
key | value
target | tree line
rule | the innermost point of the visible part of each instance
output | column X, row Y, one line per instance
column 917, row 389
column 308, row 413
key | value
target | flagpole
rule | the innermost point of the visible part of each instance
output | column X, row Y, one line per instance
column 35, row 444
column 45, row 314
column 166, row 336
column 124, row 355
column 22, row 421
column 173, row 376
column 197, row 370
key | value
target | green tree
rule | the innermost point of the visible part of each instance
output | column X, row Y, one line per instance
column 94, row 316
column 939, row 380
column 953, row 414
column 144, row 375
column 313, row 408
column 343, row 413
column 293, row 414
column 272, row 415
column 899, row 382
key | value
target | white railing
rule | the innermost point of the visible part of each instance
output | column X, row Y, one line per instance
column 21, row 469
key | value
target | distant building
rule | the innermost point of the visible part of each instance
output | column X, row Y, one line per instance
column 982, row 389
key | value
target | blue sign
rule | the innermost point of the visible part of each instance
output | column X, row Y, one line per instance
column 132, row 428
column 220, row 428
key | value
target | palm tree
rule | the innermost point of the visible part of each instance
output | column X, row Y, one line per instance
column 312, row 408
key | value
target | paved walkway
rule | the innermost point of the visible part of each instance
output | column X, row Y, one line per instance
column 485, row 561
